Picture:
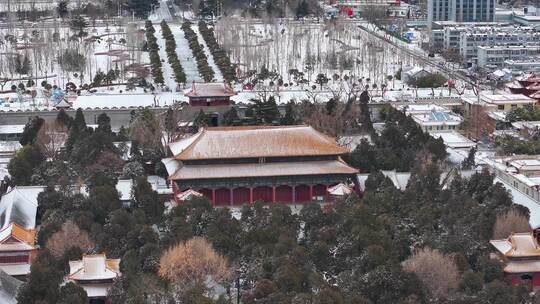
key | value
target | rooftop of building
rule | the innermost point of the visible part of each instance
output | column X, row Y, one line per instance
column 254, row 142
column 510, row 47
column 19, row 205
column 501, row 98
column 224, row 171
column 436, row 118
column 453, row 139
column 518, row 245
column 14, row 237
column 94, row 267
column 215, row 89
column 413, row 108
column 524, row 168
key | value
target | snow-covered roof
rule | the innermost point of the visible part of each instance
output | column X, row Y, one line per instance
column 11, row 129
column 63, row 104
column 435, row 118
column 518, row 245
column 97, row 290
column 124, row 187
column 529, row 164
column 414, row 108
column 19, row 205
column 94, row 267
column 453, row 139
column 9, row 146
column 188, row 194
column 415, row 70
column 261, row 141
column 506, row 98
column 21, row 269
column 159, row 184
column 189, row 172
column 170, row 163
column 399, row 179
column 526, row 266
column 8, row 288
column 210, row 90
column 340, row 190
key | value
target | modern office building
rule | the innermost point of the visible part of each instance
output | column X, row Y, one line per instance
column 461, row 10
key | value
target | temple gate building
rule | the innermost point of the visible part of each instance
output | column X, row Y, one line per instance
column 521, row 254
column 210, row 94
column 239, row 165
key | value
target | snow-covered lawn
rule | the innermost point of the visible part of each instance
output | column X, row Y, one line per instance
column 168, row 74
column 185, row 55
column 217, row 73
column 310, row 47
column 115, row 46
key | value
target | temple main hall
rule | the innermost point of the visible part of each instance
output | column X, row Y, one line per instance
column 272, row 164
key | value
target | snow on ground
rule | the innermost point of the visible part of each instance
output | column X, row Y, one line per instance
column 125, row 100
column 456, row 156
column 523, row 200
column 185, row 55
column 311, row 47
column 44, row 52
column 168, row 74
column 217, row 73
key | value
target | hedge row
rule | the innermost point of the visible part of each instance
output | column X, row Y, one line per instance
column 170, row 48
column 205, row 70
column 153, row 48
column 221, row 58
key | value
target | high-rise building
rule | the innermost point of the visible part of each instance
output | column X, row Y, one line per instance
column 461, row 10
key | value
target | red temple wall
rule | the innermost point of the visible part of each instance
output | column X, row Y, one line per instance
column 223, row 197
column 284, row 194
column 262, row 193
column 241, row 196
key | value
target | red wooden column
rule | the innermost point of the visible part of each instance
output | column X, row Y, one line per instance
column 310, row 192
column 232, row 196
column 213, row 197
column 273, row 194
column 326, row 192
column 251, row 195
column 293, row 194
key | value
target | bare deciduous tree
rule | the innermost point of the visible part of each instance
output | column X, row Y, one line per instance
column 477, row 123
column 51, row 137
column 337, row 123
column 69, row 236
column 437, row 271
column 191, row 263
column 509, row 222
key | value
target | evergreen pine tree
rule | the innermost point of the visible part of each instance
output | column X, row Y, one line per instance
column 269, row 112
column 367, row 125
column 303, row 9
column 290, row 117
column 230, row 118
column 26, row 66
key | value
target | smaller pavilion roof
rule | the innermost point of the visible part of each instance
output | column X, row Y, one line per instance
column 518, row 245
column 94, row 267
column 340, row 190
column 188, row 194
column 213, row 89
